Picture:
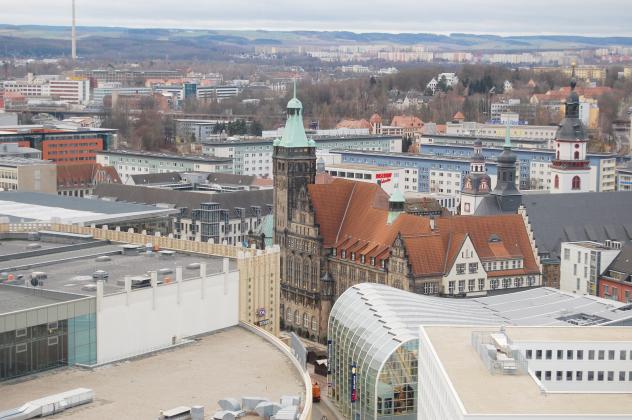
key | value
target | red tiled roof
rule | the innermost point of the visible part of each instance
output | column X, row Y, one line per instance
column 509, row 228
column 375, row 119
column 75, row 174
column 353, row 216
column 406, row 121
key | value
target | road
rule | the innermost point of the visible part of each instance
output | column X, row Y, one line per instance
column 321, row 409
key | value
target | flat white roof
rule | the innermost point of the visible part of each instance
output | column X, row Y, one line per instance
column 481, row 392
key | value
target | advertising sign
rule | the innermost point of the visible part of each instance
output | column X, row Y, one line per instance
column 354, row 383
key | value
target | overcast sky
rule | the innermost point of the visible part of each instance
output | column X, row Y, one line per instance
column 579, row 17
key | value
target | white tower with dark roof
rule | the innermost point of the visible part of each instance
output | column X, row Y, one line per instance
column 570, row 170
column 476, row 184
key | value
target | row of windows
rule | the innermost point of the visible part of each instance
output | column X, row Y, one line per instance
column 502, row 265
column 472, row 268
column 577, row 354
column 578, row 375
column 53, row 145
column 305, row 321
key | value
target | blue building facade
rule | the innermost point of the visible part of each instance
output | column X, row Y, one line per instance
column 449, row 157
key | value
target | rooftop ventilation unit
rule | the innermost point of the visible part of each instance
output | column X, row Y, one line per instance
column 37, row 278
column 89, row 287
column 100, row 275
column 103, row 258
column 165, row 271
column 193, row 266
column 130, row 249
column 166, row 253
column 31, row 247
column 583, row 320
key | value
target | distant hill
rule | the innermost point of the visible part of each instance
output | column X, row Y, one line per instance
column 52, row 41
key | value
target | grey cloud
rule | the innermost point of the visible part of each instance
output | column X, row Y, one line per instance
column 607, row 17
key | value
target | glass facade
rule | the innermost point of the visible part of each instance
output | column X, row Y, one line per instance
column 373, row 351
column 44, row 338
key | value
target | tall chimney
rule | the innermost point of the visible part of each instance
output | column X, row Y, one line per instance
column 74, row 33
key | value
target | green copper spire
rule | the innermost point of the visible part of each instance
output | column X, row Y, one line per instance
column 508, row 136
column 396, row 204
column 294, row 133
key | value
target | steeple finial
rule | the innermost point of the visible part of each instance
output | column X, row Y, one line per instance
column 573, row 77
column 295, row 87
column 508, row 136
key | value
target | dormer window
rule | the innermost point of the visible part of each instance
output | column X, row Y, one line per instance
column 344, row 254
column 333, row 251
column 383, row 263
column 353, row 256
column 362, row 259
column 373, row 261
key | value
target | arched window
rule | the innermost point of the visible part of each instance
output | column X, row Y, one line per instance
column 288, row 315
column 577, row 184
column 282, row 310
column 315, row 276
column 306, row 274
column 556, row 183
column 297, row 317
column 297, row 272
column 314, row 324
column 290, row 269
column 306, row 320
column 576, row 154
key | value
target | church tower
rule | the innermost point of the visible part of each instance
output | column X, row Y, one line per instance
column 570, row 170
column 294, row 167
column 507, row 195
column 476, row 184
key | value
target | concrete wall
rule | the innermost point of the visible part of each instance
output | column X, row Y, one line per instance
column 143, row 320
column 259, row 271
column 38, row 178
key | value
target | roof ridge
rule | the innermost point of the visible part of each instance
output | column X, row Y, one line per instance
column 344, row 216
column 447, row 251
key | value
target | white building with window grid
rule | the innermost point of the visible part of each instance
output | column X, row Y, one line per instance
column 582, row 263
column 546, row 372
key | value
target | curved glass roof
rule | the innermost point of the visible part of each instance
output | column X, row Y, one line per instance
column 397, row 314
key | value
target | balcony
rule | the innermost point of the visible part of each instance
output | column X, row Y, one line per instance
column 570, row 164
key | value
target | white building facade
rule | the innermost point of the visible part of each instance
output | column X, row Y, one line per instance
column 390, row 179
column 582, row 263
column 128, row 163
column 141, row 320
column 537, row 373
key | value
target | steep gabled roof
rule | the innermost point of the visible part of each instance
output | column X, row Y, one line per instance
column 353, row 217
column 509, row 230
column 76, row 174
column 406, row 121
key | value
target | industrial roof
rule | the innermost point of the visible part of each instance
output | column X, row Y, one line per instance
column 188, row 200
column 229, row 363
column 515, row 395
column 16, row 298
column 592, row 216
column 191, row 158
column 30, row 206
column 389, row 317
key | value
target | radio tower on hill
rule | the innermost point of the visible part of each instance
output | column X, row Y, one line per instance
column 74, row 33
